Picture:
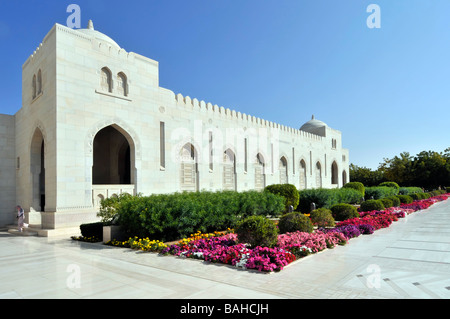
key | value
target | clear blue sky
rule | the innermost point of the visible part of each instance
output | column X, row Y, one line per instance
column 387, row 89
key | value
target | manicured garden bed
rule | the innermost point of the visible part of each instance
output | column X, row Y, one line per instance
column 225, row 247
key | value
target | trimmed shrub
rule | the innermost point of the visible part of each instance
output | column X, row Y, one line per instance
column 395, row 201
column 92, row 230
column 322, row 217
column 409, row 190
column 379, row 192
column 325, row 198
column 293, row 222
column 387, row 202
column 257, row 231
column 447, row 189
column 343, row 212
column 288, row 191
column 415, row 196
column 170, row 217
column 356, row 185
column 405, row 199
column 391, row 184
column 372, row 204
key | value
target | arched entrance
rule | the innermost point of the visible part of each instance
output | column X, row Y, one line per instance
column 112, row 158
column 37, row 170
column 229, row 170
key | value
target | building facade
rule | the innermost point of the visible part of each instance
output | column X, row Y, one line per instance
column 95, row 123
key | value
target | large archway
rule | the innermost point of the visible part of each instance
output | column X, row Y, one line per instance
column 112, row 163
column 37, row 170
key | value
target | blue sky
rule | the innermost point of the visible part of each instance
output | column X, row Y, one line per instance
column 386, row 89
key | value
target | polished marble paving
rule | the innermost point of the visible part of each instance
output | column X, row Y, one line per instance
column 411, row 259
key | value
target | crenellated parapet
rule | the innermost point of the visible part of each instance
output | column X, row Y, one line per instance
column 240, row 118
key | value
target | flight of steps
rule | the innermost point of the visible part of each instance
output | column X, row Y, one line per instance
column 37, row 231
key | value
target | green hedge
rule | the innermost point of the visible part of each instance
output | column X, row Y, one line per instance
column 172, row 216
column 288, row 191
column 325, row 198
column 356, row 185
column 92, row 230
column 343, row 212
column 379, row 192
column 391, row 184
column 257, row 231
column 322, row 217
column 405, row 199
column 372, row 204
column 409, row 190
column 293, row 222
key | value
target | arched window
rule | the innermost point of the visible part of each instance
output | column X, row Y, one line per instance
column 318, row 175
column 229, row 170
column 260, row 177
column 34, row 87
column 39, row 82
column 189, row 168
column 334, row 174
column 122, row 84
column 302, row 174
column 106, row 80
column 283, row 169
column 344, row 178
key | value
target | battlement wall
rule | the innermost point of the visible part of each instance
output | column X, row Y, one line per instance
column 240, row 118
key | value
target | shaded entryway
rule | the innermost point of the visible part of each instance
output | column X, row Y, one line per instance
column 112, row 158
column 37, row 170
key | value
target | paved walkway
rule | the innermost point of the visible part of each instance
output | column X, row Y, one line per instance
column 410, row 259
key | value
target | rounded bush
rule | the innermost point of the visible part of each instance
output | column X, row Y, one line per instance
column 415, row 196
column 257, row 231
column 372, row 204
column 356, row 185
column 395, row 200
column 295, row 221
column 344, row 211
column 322, row 217
column 387, row 202
column 391, row 184
column 288, row 191
column 405, row 199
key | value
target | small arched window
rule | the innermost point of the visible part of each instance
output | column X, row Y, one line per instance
column 34, row 86
column 122, row 84
column 39, row 82
column 106, row 80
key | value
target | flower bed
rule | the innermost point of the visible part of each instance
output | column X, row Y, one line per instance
column 224, row 247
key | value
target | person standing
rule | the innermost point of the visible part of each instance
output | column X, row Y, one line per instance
column 20, row 218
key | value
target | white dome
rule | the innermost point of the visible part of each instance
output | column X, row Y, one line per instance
column 312, row 125
column 98, row 35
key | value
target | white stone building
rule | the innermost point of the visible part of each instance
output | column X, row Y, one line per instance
column 95, row 123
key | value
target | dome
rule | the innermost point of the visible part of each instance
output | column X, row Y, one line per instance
column 312, row 125
column 98, row 35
